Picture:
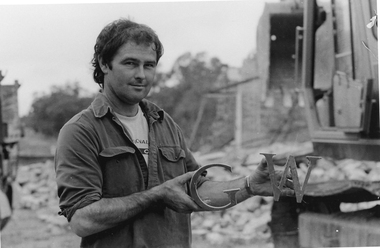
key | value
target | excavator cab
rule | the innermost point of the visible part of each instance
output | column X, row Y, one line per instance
column 340, row 78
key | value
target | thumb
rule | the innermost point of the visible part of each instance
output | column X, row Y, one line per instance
column 263, row 164
column 185, row 177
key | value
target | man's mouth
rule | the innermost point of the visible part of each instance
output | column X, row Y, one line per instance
column 138, row 85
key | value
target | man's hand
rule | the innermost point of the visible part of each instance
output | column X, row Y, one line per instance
column 260, row 183
column 173, row 194
column 110, row 212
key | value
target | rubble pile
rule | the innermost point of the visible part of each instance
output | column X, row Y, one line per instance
column 245, row 223
column 37, row 190
column 346, row 169
column 37, row 185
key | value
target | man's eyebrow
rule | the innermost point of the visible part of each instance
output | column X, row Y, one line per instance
column 151, row 62
column 130, row 59
column 137, row 60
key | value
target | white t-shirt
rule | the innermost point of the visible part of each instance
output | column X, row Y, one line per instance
column 137, row 127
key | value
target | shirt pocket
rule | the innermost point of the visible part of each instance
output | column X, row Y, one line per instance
column 121, row 174
column 172, row 161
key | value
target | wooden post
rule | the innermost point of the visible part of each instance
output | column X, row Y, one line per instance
column 239, row 118
column 197, row 121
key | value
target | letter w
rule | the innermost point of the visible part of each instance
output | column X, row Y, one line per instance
column 290, row 164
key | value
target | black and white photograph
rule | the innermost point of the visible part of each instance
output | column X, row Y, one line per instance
column 189, row 124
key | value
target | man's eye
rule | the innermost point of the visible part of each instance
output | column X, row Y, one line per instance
column 150, row 65
column 130, row 63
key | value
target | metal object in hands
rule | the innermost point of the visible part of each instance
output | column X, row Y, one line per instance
column 290, row 165
column 194, row 193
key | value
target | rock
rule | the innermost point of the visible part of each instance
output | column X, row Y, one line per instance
column 356, row 174
column 256, row 223
column 209, row 223
column 252, row 203
column 23, row 175
column 374, row 174
column 200, row 232
column 215, row 238
column 55, row 230
column 243, row 219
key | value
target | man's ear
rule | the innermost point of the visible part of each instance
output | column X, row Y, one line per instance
column 103, row 66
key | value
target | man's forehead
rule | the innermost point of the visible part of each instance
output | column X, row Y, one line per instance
column 133, row 48
column 141, row 43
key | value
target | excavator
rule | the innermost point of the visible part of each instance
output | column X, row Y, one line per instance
column 332, row 48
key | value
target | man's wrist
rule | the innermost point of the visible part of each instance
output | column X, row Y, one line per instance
column 248, row 186
column 157, row 194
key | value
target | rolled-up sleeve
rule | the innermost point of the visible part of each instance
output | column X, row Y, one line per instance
column 78, row 173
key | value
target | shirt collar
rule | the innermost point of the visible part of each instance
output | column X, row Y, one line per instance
column 101, row 107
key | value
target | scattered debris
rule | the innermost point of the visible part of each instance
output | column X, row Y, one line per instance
column 37, row 190
column 244, row 223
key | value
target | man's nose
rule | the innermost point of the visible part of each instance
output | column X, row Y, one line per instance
column 140, row 72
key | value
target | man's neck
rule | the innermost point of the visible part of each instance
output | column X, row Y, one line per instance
column 123, row 109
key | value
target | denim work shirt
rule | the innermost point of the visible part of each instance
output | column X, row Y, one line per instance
column 95, row 158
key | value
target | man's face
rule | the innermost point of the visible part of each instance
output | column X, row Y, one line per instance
column 132, row 74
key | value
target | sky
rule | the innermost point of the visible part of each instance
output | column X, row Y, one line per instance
column 44, row 45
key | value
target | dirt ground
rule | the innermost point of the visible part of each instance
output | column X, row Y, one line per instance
column 26, row 230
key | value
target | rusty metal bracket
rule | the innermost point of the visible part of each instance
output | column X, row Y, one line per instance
column 194, row 192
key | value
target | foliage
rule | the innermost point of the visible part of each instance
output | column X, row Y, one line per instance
column 50, row 112
column 195, row 76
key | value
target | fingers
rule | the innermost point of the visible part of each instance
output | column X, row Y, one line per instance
column 288, row 186
column 182, row 179
column 288, row 192
column 183, row 204
column 194, row 205
column 289, row 183
column 288, row 189
column 263, row 163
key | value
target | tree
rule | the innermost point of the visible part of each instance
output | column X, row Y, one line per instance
column 193, row 77
column 50, row 112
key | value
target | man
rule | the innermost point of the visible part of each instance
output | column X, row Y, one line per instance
column 122, row 165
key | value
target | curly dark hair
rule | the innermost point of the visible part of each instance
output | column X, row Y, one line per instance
column 116, row 34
